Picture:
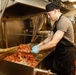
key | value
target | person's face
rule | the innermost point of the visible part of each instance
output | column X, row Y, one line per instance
column 52, row 15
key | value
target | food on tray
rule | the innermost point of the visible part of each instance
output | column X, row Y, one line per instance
column 23, row 55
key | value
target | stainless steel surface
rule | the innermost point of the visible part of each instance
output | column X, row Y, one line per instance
column 10, row 68
column 35, row 3
column 20, row 11
column 14, row 68
column 9, row 3
column 41, row 55
column 19, row 8
column 48, row 72
column 4, row 7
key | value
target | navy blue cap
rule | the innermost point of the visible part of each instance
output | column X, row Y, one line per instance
column 51, row 6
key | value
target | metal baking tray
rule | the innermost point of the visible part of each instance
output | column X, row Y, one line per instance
column 11, row 68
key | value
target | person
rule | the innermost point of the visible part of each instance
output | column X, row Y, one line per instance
column 62, row 38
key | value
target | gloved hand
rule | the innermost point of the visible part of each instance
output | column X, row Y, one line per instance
column 35, row 49
column 36, row 46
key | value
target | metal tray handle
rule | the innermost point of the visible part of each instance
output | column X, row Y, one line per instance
column 48, row 72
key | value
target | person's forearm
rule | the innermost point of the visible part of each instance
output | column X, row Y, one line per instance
column 49, row 38
column 47, row 46
column 56, row 38
column 45, row 41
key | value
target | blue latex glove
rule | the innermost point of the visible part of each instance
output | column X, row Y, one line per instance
column 36, row 46
column 35, row 49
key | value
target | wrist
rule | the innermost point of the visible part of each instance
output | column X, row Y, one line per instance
column 39, row 49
